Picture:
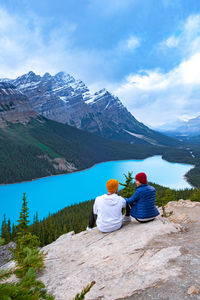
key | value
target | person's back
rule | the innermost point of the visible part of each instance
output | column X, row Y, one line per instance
column 108, row 209
column 142, row 203
column 145, row 205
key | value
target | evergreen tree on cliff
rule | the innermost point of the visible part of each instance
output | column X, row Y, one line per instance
column 128, row 189
column 23, row 218
column 29, row 260
column 5, row 230
column 24, row 238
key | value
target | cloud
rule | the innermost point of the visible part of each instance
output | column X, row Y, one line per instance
column 186, row 38
column 25, row 46
column 172, row 41
column 129, row 44
column 156, row 98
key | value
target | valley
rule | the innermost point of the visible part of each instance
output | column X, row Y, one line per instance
column 55, row 125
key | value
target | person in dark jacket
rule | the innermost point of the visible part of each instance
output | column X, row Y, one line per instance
column 141, row 205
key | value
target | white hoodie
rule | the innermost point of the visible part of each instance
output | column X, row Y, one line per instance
column 108, row 209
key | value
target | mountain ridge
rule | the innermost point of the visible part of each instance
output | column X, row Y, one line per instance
column 189, row 128
column 64, row 99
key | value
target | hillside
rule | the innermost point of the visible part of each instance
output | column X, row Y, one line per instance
column 33, row 150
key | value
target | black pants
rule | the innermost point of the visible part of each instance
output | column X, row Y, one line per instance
column 93, row 217
column 92, row 220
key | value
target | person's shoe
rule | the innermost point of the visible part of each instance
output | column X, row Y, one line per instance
column 89, row 229
column 126, row 219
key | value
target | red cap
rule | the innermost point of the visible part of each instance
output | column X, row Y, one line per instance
column 141, row 177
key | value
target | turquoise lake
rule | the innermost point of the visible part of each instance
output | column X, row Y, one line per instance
column 51, row 194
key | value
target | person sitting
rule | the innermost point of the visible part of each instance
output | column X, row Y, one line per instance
column 107, row 209
column 141, row 205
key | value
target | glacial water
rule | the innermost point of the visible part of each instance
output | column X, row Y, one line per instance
column 53, row 193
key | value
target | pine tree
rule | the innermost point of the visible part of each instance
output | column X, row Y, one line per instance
column 23, row 219
column 35, row 226
column 3, row 227
column 128, row 190
column 14, row 231
column 5, row 230
column 29, row 260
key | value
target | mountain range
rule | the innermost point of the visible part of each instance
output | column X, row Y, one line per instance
column 179, row 128
column 66, row 100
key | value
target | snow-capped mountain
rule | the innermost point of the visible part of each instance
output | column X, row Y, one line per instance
column 191, row 127
column 183, row 128
column 64, row 99
column 14, row 106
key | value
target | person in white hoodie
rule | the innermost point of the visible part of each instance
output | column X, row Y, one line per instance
column 107, row 209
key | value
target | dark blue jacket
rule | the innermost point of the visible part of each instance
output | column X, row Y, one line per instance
column 143, row 202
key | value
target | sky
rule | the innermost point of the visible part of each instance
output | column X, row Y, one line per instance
column 147, row 52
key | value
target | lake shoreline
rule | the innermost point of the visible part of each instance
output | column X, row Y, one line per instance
column 78, row 171
column 82, row 170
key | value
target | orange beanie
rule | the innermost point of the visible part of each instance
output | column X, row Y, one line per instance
column 112, row 185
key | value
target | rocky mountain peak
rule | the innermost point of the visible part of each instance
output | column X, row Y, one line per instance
column 64, row 76
column 46, row 76
column 30, row 77
column 26, row 80
column 67, row 100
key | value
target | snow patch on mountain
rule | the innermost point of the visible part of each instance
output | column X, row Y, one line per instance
column 140, row 136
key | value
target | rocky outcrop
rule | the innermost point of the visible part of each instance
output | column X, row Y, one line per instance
column 131, row 263
column 157, row 260
column 59, row 163
column 183, row 211
column 6, row 253
column 120, row 262
column 14, row 106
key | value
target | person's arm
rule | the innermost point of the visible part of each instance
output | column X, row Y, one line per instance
column 133, row 198
column 123, row 202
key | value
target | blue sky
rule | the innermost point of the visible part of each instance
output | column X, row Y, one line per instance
column 147, row 52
